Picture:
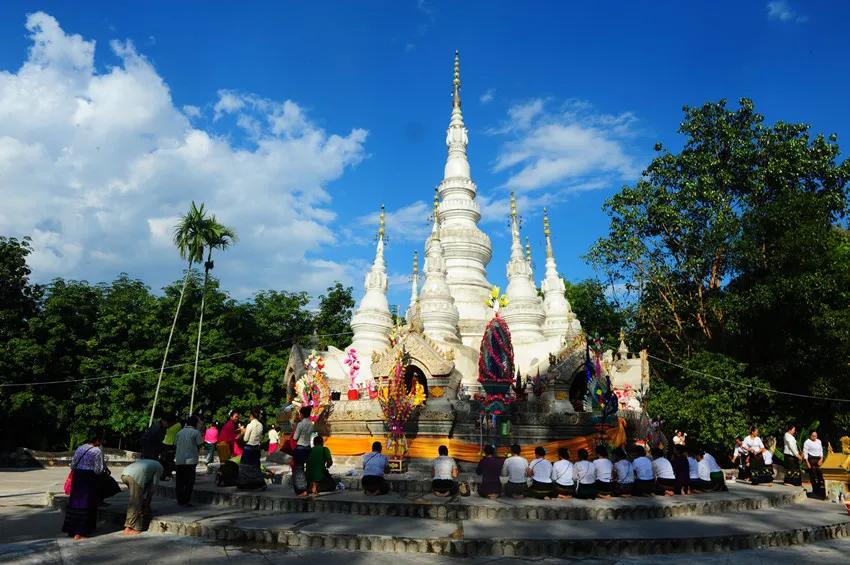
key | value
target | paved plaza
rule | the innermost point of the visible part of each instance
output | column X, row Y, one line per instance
column 30, row 529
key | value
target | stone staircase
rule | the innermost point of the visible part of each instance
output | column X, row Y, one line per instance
column 746, row 517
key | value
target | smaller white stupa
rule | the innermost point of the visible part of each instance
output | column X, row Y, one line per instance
column 560, row 322
column 436, row 305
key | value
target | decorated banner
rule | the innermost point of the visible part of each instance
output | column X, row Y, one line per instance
column 496, row 361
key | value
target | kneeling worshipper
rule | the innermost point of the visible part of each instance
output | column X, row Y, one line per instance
column 141, row 478
column 681, row 469
column 490, row 469
column 792, row 458
column 604, row 472
column 444, row 473
column 584, row 474
column 644, row 472
column 318, row 463
column 665, row 477
column 718, row 480
column 81, row 511
column 375, row 465
column 562, row 475
column 623, row 473
column 515, row 469
column 540, row 471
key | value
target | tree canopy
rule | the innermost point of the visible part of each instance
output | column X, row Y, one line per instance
column 737, row 246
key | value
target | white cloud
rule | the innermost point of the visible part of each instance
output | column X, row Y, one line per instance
column 408, row 223
column 568, row 149
column 488, row 96
column 782, row 11
column 97, row 165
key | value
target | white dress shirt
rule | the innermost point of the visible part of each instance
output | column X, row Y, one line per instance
column 253, row 433
column 584, row 473
column 753, row 444
column 662, row 468
column 562, row 473
column 703, row 471
column 713, row 467
column 541, row 471
column 644, row 470
column 812, row 449
column 625, row 471
column 515, row 469
column 790, row 445
column 604, row 468
column 693, row 470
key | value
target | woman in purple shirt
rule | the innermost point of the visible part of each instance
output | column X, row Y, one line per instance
column 490, row 469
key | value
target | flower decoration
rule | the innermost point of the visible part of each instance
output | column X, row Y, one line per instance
column 353, row 363
column 398, row 404
column 312, row 388
column 495, row 300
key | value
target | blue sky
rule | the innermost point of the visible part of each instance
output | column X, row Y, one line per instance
column 295, row 121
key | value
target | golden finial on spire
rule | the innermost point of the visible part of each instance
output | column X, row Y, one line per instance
column 513, row 206
column 456, row 81
column 381, row 223
column 546, row 231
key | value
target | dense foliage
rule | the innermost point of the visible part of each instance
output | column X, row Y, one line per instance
column 738, row 252
column 72, row 330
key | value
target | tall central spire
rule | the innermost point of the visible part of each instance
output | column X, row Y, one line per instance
column 466, row 249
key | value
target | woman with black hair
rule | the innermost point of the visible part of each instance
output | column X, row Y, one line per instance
column 540, row 471
column 303, row 436
column 490, row 469
column 792, row 457
column 250, row 474
column 584, row 474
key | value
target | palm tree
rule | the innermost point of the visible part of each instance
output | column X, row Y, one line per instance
column 215, row 236
column 190, row 242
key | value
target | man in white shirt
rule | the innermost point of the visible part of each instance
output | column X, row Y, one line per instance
column 187, row 443
column 813, row 456
column 792, row 457
column 540, row 472
column 604, row 471
column 562, row 474
column 644, row 474
column 584, row 474
column 516, row 470
column 444, row 473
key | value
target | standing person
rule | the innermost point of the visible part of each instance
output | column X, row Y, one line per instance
column 274, row 439
column 211, row 439
column 644, row 472
column 584, row 474
column 813, row 457
column 152, row 439
column 81, row 513
column 490, row 469
column 739, row 458
column 375, row 464
column 604, row 472
column 187, row 443
column 665, row 477
column 227, row 437
column 792, row 457
column 250, row 474
column 540, row 471
column 624, row 473
column 681, row 470
column 168, row 451
column 318, row 463
column 303, row 436
column 562, row 475
column 444, row 473
column 679, row 438
column 141, row 478
column 515, row 469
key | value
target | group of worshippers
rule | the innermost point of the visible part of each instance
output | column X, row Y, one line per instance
column 167, row 446
column 629, row 473
column 755, row 461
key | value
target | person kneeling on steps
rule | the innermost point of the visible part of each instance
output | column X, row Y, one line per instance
column 375, row 465
column 444, row 474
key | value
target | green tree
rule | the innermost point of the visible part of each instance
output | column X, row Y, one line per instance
column 597, row 313
column 334, row 316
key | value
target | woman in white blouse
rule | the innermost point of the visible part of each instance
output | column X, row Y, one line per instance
column 813, row 457
column 792, row 457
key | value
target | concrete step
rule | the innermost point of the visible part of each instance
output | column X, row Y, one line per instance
column 794, row 524
column 279, row 498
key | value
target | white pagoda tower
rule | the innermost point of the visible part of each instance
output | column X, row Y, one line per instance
column 466, row 248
